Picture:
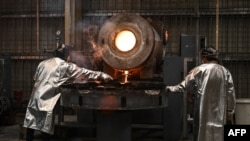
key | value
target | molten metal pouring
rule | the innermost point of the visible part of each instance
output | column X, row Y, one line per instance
column 126, row 73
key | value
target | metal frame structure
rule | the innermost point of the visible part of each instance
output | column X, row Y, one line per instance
column 28, row 27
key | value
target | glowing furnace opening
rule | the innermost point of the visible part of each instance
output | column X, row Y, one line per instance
column 125, row 41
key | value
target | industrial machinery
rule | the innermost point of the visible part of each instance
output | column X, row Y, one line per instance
column 132, row 52
column 5, row 89
column 131, row 46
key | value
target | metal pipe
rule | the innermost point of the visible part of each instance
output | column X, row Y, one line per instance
column 32, row 15
column 185, row 117
column 197, row 15
column 217, row 26
column 37, row 26
column 68, row 21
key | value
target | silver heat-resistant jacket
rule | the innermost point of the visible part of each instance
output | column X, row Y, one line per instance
column 214, row 96
column 49, row 75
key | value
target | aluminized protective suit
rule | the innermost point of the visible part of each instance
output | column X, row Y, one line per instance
column 214, row 96
column 49, row 75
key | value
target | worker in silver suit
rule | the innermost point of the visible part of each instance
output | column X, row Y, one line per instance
column 50, row 74
column 213, row 95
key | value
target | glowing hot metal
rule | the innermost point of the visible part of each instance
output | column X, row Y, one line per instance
column 125, row 41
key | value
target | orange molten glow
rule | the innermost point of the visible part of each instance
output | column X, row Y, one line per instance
column 125, row 40
column 126, row 73
column 124, row 76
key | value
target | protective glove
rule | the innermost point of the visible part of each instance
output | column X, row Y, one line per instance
column 167, row 89
column 106, row 77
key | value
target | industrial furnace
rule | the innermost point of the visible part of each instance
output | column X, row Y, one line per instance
column 132, row 52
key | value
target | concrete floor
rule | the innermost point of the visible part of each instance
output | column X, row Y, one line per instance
column 16, row 132
column 9, row 133
column 12, row 133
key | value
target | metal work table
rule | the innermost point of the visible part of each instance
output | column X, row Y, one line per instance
column 113, row 104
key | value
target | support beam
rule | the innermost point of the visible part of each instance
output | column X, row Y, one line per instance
column 217, row 25
column 69, row 19
column 73, row 23
column 37, row 26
